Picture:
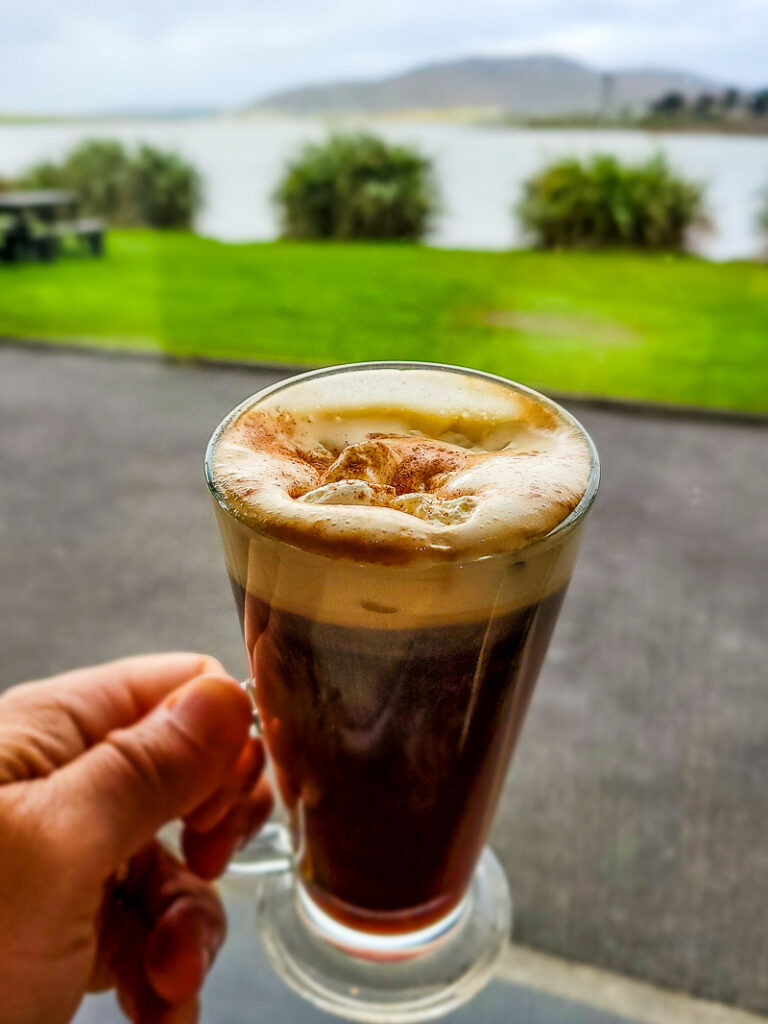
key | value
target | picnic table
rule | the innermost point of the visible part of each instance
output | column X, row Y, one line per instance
column 34, row 223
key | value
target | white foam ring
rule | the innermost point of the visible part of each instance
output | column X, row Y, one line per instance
column 468, row 466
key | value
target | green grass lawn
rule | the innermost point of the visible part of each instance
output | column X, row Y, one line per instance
column 627, row 325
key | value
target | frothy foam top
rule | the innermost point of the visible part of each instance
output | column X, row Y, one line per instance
column 392, row 465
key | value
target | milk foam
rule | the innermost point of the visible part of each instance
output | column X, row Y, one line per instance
column 394, row 466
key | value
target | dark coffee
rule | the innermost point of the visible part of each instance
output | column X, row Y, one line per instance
column 390, row 747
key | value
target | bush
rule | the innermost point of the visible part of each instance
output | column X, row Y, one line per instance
column 42, row 175
column 99, row 171
column 603, row 203
column 152, row 187
column 167, row 191
column 762, row 215
column 357, row 186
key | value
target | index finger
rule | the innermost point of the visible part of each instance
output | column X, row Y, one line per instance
column 49, row 722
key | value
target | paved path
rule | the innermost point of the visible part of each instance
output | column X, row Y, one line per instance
column 242, row 989
column 529, row 988
column 635, row 823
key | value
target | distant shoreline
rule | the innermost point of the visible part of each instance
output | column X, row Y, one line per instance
column 646, row 125
column 459, row 118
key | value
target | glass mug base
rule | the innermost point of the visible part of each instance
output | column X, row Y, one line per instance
column 413, row 976
column 394, row 978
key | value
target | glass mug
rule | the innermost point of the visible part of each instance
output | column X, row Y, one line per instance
column 390, row 699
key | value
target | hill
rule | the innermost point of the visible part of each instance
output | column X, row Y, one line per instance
column 532, row 86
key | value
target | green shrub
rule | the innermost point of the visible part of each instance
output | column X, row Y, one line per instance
column 42, row 175
column 762, row 215
column 603, row 203
column 99, row 171
column 151, row 187
column 167, row 191
column 357, row 187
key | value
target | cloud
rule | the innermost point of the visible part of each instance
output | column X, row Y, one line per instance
column 154, row 53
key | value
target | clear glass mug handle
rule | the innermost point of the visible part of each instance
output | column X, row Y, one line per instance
column 269, row 852
column 249, row 685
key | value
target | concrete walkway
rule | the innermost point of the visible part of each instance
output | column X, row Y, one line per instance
column 529, row 988
column 635, row 823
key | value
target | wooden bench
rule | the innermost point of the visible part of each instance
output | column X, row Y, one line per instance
column 45, row 244
column 8, row 239
column 88, row 230
column 29, row 223
column 23, row 236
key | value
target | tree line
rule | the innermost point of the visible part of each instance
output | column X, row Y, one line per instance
column 358, row 187
column 731, row 106
column 147, row 186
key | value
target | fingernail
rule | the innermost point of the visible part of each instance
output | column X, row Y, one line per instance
column 210, row 945
column 208, row 954
column 214, row 709
column 242, row 842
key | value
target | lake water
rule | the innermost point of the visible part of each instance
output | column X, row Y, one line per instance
column 480, row 170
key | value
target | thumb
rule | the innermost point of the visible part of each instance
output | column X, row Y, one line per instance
column 120, row 792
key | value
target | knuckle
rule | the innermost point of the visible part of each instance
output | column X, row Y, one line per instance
column 35, row 838
column 208, row 665
column 135, row 760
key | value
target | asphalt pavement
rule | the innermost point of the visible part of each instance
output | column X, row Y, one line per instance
column 634, row 825
column 242, row 989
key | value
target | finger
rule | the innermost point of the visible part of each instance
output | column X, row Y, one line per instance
column 121, row 791
column 209, row 853
column 162, row 1013
column 46, row 724
column 148, row 1008
column 189, row 928
column 119, row 964
column 241, row 782
column 160, row 934
column 181, row 949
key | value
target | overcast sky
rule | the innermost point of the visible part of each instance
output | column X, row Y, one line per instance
column 60, row 55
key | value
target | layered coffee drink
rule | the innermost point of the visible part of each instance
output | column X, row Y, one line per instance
column 399, row 540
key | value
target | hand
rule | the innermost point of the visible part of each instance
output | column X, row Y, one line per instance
column 92, row 763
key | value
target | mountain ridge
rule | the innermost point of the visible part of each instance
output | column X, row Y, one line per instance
column 531, row 85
